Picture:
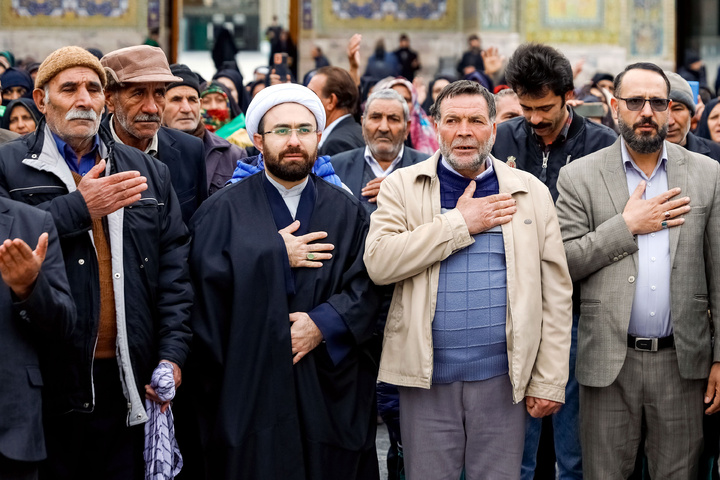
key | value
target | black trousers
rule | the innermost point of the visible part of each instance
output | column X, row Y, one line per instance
column 99, row 444
column 14, row 470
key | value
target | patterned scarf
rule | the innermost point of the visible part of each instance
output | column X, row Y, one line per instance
column 162, row 456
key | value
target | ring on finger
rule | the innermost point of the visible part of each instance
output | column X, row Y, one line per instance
column 311, row 256
column 667, row 214
column 664, row 225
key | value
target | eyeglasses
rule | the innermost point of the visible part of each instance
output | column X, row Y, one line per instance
column 638, row 103
column 286, row 132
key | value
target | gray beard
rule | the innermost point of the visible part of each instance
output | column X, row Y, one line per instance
column 446, row 151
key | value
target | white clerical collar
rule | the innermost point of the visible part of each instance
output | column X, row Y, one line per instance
column 152, row 148
column 488, row 168
column 291, row 196
column 377, row 168
column 329, row 128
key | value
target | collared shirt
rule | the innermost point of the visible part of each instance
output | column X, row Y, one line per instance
column 650, row 314
column 329, row 128
column 291, row 196
column 87, row 161
column 152, row 148
column 375, row 166
column 488, row 168
column 562, row 136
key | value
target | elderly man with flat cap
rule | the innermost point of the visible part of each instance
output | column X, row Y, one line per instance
column 135, row 95
column 182, row 112
column 284, row 326
column 125, row 248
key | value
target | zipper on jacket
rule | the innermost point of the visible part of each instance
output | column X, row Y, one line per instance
column 543, row 172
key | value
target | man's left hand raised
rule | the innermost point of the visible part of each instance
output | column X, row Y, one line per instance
column 540, row 407
column 304, row 335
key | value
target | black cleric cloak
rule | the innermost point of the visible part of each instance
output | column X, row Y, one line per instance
column 260, row 415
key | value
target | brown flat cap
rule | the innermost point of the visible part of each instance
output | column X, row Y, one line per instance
column 138, row 64
column 64, row 58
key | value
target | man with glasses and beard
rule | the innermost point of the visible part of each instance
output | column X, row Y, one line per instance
column 641, row 226
column 283, row 326
column 478, row 332
column 135, row 95
column 125, row 249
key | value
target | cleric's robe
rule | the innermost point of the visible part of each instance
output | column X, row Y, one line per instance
column 260, row 415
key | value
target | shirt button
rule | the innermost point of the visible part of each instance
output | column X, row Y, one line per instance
column 649, row 184
column 652, row 258
column 117, row 275
column 625, row 254
column 631, row 279
column 81, row 262
column 652, row 288
column 652, row 314
column 615, row 259
column 652, row 234
column 86, row 405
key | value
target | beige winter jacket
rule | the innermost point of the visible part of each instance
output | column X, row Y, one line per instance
column 409, row 237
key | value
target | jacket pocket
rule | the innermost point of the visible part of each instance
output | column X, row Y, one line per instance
column 38, row 194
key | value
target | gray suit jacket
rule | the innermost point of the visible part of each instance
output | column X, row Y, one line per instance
column 602, row 255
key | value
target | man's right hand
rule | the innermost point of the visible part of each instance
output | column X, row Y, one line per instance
column 300, row 250
column 647, row 216
column 484, row 213
column 106, row 195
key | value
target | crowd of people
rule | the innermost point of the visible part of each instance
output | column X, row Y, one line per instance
column 518, row 274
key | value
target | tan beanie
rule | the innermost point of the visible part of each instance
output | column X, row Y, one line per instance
column 68, row 57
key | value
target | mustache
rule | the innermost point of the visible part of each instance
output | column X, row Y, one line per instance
column 78, row 114
column 538, row 126
column 293, row 150
column 146, row 117
column 646, row 121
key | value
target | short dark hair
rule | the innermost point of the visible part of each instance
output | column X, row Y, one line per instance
column 535, row 68
column 473, row 37
column 403, row 36
column 617, row 83
column 339, row 82
column 463, row 87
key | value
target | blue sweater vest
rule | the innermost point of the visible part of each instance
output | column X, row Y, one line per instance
column 469, row 325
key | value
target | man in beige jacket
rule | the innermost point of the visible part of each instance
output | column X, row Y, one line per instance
column 481, row 315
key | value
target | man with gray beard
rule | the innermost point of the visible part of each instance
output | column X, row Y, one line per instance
column 641, row 226
column 135, row 95
column 479, row 328
column 125, row 249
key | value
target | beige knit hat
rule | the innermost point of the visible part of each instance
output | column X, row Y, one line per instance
column 68, row 57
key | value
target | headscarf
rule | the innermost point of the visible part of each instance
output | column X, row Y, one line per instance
column 428, row 99
column 216, row 117
column 237, row 79
column 422, row 132
column 274, row 95
column 703, row 130
column 23, row 102
column 15, row 77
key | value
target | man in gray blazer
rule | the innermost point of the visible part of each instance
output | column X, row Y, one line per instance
column 385, row 127
column 641, row 225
